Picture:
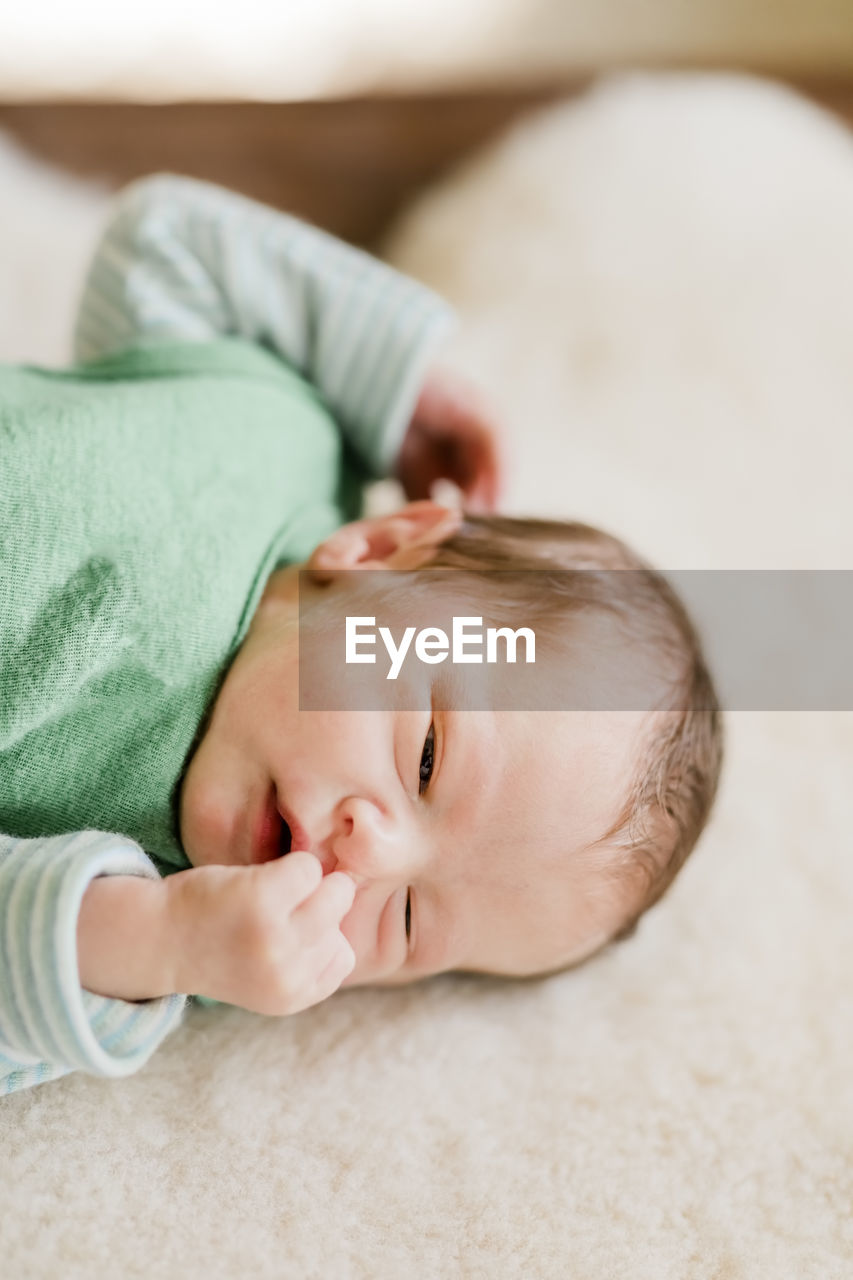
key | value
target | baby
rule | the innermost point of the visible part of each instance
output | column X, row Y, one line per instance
column 180, row 513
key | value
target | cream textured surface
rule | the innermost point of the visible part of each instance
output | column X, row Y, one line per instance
column 656, row 283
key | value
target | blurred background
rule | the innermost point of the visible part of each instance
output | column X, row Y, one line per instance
column 342, row 111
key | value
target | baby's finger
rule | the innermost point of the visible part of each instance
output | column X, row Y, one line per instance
column 339, row 967
column 492, row 471
column 481, row 495
column 326, row 906
column 299, row 874
column 477, row 477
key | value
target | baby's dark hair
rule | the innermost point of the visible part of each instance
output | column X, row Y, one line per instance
column 673, row 788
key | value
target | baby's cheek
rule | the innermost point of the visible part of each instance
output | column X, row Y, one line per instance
column 369, row 928
column 354, row 928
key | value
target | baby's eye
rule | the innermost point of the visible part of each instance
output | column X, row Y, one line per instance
column 408, row 914
column 427, row 761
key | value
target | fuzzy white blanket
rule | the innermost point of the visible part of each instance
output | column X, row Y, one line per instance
column 656, row 283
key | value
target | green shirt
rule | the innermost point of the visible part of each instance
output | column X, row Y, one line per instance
column 146, row 498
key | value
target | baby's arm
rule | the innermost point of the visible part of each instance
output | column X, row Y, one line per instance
column 265, row 937
column 94, row 944
column 183, row 260
column 49, row 1023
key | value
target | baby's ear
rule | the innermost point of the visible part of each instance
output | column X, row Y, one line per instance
column 405, row 539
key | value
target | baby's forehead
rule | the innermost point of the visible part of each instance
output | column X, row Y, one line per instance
column 558, row 780
column 524, row 847
column 381, row 641
column 529, row 661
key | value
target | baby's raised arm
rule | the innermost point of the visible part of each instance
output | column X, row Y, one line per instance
column 186, row 261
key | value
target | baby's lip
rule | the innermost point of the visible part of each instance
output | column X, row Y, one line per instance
column 266, row 833
column 267, row 842
column 299, row 839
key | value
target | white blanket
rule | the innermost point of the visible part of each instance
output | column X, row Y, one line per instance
column 656, row 284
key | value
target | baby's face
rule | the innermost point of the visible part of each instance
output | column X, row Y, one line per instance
column 469, row 834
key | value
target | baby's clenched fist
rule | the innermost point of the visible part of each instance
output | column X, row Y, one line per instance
column 264, row 937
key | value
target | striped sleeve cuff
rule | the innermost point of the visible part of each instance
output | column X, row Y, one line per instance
column 49, row 1024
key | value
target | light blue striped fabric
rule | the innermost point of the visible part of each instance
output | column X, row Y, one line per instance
column 49, row 1025
column 182, row 260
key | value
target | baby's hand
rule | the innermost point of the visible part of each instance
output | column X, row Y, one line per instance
column 265, row 937
column 452, row 436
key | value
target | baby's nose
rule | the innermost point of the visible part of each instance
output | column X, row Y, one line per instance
column 365, row 844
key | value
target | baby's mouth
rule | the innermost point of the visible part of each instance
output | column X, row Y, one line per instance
column 275, row 833
column 291, row 837
column 285, row 839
